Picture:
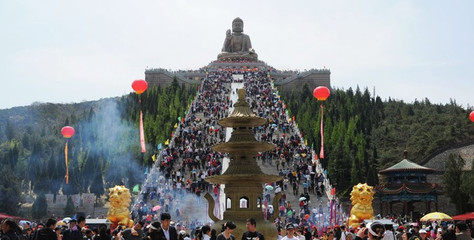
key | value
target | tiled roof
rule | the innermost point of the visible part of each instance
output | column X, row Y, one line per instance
column 406, row 165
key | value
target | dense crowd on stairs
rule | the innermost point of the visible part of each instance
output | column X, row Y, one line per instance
column 181, row 166
column 292, row 159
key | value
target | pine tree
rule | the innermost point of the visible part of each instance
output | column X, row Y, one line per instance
column 10, row 191
column 372, row 177
column 9, row 131
column 70, row 209
column 97, row 186
column 452, row 179
column 40, row 207
column 467, row 187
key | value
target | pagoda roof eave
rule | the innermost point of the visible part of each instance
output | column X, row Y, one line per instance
column 406, row 166
column 414, row 188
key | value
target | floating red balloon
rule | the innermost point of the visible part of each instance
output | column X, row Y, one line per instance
column 67, row 131
column 471, row 116
column 321, row 93
column 139, row 86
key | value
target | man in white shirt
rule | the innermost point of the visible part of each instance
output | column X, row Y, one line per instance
column 388, row 233
column 290, row 232
column 343, row 232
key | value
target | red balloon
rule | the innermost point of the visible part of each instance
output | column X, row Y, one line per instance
column 471, row 116
column 321, row 93
column 67, row 131
column 139, row 86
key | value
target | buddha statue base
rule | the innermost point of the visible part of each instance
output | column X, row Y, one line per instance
column 237, row 56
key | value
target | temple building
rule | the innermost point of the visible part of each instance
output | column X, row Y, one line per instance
column 406, row 183
column 237, row 54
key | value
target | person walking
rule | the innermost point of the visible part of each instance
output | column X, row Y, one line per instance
column 252, row 233
column 155, row 232
column 76, row 231
column 169, row 232
column 9, row 230
column 374, row 231
column 290, row 232
column 48, row 232
column 227, row 230
column 134, row 233
column 205, row 233
column 461, row 232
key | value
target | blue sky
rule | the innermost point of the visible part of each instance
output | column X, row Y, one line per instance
column 73, row 51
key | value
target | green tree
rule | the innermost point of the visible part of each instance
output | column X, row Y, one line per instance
column 40, row 207
column 97, row 186
column 372, row 178
column 70, row 209
column 452, row 180
column 467, row 187
column 10, row 191
column 9, row 131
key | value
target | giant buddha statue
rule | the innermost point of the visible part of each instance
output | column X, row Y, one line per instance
column 237, row 45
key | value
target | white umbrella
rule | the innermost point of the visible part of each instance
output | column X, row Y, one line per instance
column 302, row 198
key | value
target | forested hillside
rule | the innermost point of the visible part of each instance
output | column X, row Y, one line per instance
column 105, row 149
column 363, row 134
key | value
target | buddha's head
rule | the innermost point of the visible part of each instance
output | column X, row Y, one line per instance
column 237, row 25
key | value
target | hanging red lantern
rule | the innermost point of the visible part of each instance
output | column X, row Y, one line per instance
column 471, row 116
column 321, row 93
column 139, row 86
column 67, row 132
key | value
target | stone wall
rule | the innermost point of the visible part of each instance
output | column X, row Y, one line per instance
column 285, row 81
column 438, row 162
column 84, row 203
column 313, row 80
column 164, row 78
column 158, row 79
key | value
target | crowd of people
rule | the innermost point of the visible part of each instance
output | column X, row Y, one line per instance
column 181, row 168
column 183, row 165
column 165, row 229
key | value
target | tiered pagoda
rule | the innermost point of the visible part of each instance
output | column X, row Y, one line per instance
column 406, row 183
column 243, row 178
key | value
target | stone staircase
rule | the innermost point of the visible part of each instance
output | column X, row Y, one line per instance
column 192, row 207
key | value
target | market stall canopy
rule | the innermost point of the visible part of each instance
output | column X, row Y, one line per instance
column 435, row 216
column 463, row 217
column 4, row 215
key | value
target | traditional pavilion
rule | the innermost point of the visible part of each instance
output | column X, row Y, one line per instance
column 406, row 184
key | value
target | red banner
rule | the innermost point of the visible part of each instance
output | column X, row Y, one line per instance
column 321, row 153
column 67, row 167
column 142, row 133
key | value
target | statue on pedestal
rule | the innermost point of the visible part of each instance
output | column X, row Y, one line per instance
column 237, row 45
column 119, row 213
column 361, row 197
